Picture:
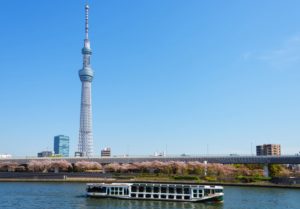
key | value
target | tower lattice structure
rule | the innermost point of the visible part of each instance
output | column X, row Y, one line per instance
column 86, row 74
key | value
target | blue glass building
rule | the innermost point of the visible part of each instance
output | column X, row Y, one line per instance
column 61, row 145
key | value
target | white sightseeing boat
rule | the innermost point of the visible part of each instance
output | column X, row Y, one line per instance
column 156, row 191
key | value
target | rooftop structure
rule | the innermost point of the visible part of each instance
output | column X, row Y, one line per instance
column 86, row 74
column 106, row 152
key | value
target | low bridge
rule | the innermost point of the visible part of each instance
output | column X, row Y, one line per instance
column 285, row 159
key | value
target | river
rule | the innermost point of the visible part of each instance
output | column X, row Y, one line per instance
column 71, row 196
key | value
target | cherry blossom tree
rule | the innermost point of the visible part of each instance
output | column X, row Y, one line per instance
column 86, row 165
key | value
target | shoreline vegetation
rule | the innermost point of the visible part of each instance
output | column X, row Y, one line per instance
column 155, row 171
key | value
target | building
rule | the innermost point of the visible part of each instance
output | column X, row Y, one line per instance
column 78, row 154
column 86, row 74
column 260, row 150
column 61, row 145
column 106, row 152
column 268, row 149
column 45, row 154
column 5, row 156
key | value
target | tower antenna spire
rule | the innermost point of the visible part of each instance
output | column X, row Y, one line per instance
column 87, row 7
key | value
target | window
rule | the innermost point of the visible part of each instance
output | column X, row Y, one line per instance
column 163, row 196
column 112, row 191
column 120, row 191
column 141, row 195
column 133, row 188
column 94, row 189
column 186, row 190
column 148, row 189
column 171, row 197
column 178, row 197
column 206, row 192
column 186, row 197
column 156, row 189
column 141, row 189
column 155, row 196
column 179, row 190
column 133, row 195
column 103, row 190
column 171, row 190
column 164, row 190
column 148, row 195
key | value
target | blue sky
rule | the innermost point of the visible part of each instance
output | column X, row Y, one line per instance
column 194, row 76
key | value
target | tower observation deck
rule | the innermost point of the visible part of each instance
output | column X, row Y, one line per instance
column 86, row 74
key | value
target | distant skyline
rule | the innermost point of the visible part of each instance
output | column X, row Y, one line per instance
column 193, row 76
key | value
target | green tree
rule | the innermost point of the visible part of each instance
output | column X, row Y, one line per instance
column 275, row 170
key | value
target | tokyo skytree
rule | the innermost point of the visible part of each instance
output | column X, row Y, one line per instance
column 86, row 74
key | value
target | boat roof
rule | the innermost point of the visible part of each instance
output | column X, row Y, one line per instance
column 156, row 184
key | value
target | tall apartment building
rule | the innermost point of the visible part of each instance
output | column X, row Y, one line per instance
column 268, row 149
column 61, row 145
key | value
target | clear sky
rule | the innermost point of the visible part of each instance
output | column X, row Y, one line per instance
column 194, row 76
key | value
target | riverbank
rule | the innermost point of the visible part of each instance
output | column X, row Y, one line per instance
column 112, row 180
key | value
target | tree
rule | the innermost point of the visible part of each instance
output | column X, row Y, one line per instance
column 86, row 165
column 8, row 166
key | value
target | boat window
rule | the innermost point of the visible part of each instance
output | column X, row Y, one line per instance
column 171, row 196
column 186, row 197
column 200, row 195
column 121, row 191
column 195, row 191
column 195, row 195
column 206, row 192
column 156, row 189
column 141, row 195
column 96, row 189
column 163, row 189
column 212, row 191
column 148, row 195
column 186, row 190
column 200, row 191
column 163, row 196
column 148, row 189
column 179, row 190
column 126, row 191
column 178, row 197
column 112, row 191
column 155, row 196
column 141, row 189
column 133, row 188
column 171, row 190
column 133, row 195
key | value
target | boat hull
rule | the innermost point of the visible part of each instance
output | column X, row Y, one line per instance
column 213, row 199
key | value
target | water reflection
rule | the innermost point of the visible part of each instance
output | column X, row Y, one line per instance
column 108, row 203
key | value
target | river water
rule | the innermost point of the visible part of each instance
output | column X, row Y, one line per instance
column 71, row 196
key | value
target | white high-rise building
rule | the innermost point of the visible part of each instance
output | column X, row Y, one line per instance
column 86, row 74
